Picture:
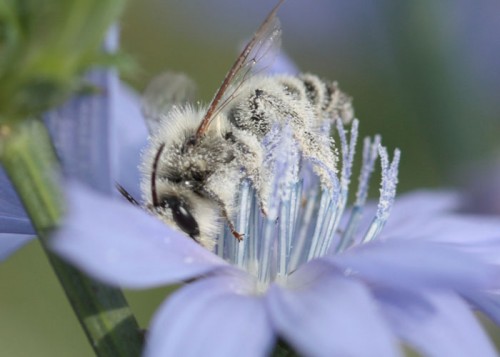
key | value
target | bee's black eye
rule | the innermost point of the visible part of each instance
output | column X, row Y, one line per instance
column 182, row 217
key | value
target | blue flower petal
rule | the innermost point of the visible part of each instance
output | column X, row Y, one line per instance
column 128, row 139
column 412, row 265
column 13, row 217
column 445, row 327
column 460, row 228
column 430, row 215
column 488, row 303
column 123, row 245
column 410, row 213
column 487, row 250
column 325, row 314
column 9, row 243
column 422, row 204
column 282, row 64
column 211, row 317
column 80, row 130
column 15, row 227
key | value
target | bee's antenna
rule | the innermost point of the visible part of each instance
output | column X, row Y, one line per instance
column 153, row 176
column 126, row 194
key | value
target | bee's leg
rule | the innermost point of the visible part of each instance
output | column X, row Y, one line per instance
column 239, row 236
column 261, row 191
column 318, row 150
column 261, row 187
column 251, row 157
column 234, row 232
column 263, row 211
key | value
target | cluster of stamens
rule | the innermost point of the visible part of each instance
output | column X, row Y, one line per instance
column 305, row 220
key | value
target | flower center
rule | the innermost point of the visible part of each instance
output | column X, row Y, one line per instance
column 306, row 220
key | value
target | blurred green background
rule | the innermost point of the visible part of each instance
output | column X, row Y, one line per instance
column 424, row 74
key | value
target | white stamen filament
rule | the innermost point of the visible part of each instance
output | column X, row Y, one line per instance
column 303, row 223
column 387, row 192
column 370, row 154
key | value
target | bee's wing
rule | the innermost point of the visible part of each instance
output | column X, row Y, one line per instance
column 164, row 92
column 262, row 48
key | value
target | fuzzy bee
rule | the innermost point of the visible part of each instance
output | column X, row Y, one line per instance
column 199, row 155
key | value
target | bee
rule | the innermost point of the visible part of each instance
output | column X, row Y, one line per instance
column 199, row 155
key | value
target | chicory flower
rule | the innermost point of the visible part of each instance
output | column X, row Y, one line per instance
column 324, row 281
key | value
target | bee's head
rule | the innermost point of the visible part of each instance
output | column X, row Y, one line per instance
column 181, row 214
column 176, row 203
column 176, row 168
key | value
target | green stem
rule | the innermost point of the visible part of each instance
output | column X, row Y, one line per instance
column 28, row 158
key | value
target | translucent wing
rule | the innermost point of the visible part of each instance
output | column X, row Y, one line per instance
column 262, row 48
column 164, row 92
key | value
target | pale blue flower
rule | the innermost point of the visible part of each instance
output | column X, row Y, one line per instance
column 325, row 282
column 345, row 287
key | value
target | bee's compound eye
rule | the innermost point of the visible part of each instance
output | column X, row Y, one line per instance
column 182, row 217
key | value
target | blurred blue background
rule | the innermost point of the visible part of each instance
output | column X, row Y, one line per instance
column 425, row 74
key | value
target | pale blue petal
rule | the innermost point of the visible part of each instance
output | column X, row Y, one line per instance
column 9, row 243
column 129, row 138
column 326, row 314
column 13, row 217
column 80, row 129
column 123, row 245
column 99, row 137
column 80, row 132
column 458, row 228
column 415, row 206
column 410, row 213
column 15, row 226
column 282, row 64
column 430, row 215
column 211, row 317
column 486, row 250
column 112, row 39
column 412, row 265
column 488, row 303
column 446, row 327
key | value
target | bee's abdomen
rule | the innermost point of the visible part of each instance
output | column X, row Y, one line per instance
column 303, row 99
column 326, row 98
column 252, row 115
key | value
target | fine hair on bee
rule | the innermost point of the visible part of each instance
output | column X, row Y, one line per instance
column 198, row 155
